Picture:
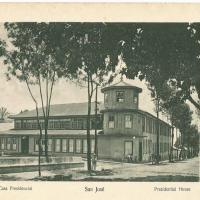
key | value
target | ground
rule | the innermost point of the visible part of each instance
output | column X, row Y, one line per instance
column 187, row 170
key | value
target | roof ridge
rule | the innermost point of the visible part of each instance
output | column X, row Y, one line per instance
column 79, row 108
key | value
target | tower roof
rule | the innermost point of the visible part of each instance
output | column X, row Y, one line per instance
column 121, row 84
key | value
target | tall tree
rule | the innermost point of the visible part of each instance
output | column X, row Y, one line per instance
column 165, row 52
column 173, row 49
column 169, row 102
column 92, row 56
column 157, row 94
column 193, row 140
column 183, row 116
column 35, row 59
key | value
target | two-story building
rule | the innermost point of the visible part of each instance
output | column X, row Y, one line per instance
column 127, row 129
column 123, row 129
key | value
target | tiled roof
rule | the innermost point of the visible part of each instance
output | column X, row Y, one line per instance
column 121, row 84
column 57, row 110
column 50, row 132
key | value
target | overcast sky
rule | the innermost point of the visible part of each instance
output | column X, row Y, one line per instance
column 15, row 97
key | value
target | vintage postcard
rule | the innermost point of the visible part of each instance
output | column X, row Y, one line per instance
column 99, row 100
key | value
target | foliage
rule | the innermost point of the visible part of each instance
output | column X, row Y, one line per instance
column 183, row 119
column 197, row 111
column 3, row 113
column 35, row 59
column 92, row 56
column 193, row 136
column 2, row 47
column 168, row 52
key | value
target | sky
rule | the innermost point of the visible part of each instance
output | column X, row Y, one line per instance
column 15, row 97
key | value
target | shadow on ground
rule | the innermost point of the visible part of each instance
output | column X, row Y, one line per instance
column 9, row 178
column 168, row 178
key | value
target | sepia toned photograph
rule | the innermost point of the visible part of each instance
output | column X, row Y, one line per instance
column 99, row 101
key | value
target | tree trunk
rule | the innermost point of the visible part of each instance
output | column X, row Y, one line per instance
column 39, row 126
column 158, row 134
column 96, row 120
column 39, row 143
column 172, row 143
column 46, row 139
column 88, row 128
column 39, row 153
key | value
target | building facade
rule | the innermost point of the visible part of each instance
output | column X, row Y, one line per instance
column 129, row 131
column 124, row 130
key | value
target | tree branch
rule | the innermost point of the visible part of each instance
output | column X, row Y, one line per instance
column 47, row 92
column 51, row 90
column 194, row 102
column 92, row 86
column 41, row 95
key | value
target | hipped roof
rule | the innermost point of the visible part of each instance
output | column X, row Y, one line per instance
column 61, row 110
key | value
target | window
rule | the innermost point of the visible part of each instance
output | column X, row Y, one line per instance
column 49, row 144
column 42, row 123
column 106, row 97
column 92, row 146
column 3, row 143
column 145, row 146
column 120, row 96
column 17, row 124
column 143, row 123
column 64, row 145
column 71, row 145
column 84, row 146
column 56, row 124
column 8, row 143
column 135, row 98
column 128, row 148
column 111, row 121
column 78, row 146
column 65, row 123
column 128, row 121
column 57, row 145
column 43, row 145
column 36, row 145
column 29, row 124
column 34, row 124
column 147, row 124
column 78, row 123
column 14, row 143
column 51, row 124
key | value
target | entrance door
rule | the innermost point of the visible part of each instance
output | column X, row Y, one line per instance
column 128, row 148
column 25, row 145
column 140, row 151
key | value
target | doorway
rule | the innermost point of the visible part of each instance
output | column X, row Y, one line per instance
column 128, row 148
column 25, row 144
column 140, row 151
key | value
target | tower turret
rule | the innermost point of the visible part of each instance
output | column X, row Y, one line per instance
column 120, row 102
column 121, row 96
